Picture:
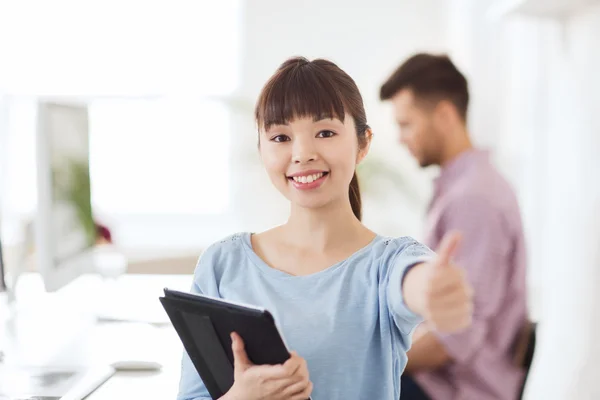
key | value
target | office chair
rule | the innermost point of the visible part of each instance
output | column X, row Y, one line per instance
column 525, row 350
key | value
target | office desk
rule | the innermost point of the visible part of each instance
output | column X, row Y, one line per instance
column 161, row 340
column 159, row 385
column 74, row 336
column 138, row 385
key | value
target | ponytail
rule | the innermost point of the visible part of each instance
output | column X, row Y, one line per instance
column 355, row 200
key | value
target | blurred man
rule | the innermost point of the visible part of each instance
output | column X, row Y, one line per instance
column 430, row 100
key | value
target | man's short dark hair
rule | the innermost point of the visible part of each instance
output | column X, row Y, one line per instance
column 431, row 78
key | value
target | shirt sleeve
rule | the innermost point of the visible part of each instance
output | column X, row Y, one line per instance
column 191, row 386
column 408, row 255
column 484, row 251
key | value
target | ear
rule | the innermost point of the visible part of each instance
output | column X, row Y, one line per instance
column 362, row 153
column 444, row 115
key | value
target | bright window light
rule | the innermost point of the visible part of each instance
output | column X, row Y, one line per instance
column 160, row 156
column 151, row 72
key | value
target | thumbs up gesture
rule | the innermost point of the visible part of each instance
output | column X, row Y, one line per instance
column 448, row 305
column 439, row 291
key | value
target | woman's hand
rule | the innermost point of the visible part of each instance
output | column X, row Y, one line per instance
column 288, row 381
column 439, row 291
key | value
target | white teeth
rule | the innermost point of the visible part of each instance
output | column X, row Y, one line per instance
column 307, row 178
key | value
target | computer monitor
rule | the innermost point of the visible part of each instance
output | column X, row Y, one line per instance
column 2, row 279
column 3, row 135
column 65, row 230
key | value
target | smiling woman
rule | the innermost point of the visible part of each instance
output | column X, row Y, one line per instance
column 331, row 283
column 315, row 95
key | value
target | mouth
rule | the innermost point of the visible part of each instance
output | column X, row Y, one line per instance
column 310, row 180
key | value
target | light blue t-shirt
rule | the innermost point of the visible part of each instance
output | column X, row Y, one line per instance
column 348, row 321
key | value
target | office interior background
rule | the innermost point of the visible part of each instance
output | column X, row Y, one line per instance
column 174, row 164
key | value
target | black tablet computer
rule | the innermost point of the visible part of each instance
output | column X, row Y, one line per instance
column 204, row 325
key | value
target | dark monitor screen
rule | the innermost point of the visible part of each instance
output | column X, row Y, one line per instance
column 2, row 280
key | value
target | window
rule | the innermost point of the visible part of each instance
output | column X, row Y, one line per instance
column 151, row 72
column 160, row 156
column 159, row 144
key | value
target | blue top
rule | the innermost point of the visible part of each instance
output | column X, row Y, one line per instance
column 348, row 321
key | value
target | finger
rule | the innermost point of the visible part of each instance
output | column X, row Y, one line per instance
column 298, row 391
column 279, row 377
column 276, row 388
column 452, row 324
column 452, row 313
column 451, row 288
column 305, row 394
column 451, row 301
column 447, row 277
column 240, row 358
column 448, row 248
column 273, row 373
column 293, row 364
column 295, row 388
column 450, row 296
column 280, row 388
column 287, row 369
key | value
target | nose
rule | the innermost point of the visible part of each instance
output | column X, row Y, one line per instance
column 304, row 151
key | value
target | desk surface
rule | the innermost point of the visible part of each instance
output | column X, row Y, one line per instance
column 145, row 385
column 78, row 337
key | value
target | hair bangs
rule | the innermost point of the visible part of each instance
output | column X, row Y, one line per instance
column 299, row 90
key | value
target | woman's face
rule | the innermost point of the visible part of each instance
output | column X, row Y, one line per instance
column 312, row 162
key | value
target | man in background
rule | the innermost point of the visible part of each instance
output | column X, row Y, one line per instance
column 430, row 100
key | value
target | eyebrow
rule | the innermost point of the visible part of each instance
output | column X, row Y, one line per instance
column 315, row 119
column 328, row 119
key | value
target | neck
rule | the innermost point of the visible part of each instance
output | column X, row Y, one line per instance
column 323, row 228
column 459, row 143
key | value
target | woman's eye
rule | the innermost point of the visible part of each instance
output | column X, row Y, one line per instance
column 326, row 134
column 280, row 138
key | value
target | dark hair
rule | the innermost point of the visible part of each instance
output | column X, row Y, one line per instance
column 430, row 77
column 319, row 89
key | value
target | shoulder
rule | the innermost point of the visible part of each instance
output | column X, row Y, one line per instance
column 395, row 245
column 219, row 256
column 224, row 246
column 400, row 250
column 482, row 206
column 483, row 188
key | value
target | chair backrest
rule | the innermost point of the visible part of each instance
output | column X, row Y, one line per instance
column 524, row 351
column 524, row 346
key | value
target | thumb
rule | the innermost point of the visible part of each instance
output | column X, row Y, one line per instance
column 241, row 362
column 448, row 248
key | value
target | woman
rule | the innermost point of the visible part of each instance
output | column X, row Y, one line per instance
column 346, row 299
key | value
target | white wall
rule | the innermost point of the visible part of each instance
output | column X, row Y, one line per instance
column 568, row 365
column 537, row 102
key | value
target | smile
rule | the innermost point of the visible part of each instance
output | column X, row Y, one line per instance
column 307, row 178
column 308, row 181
